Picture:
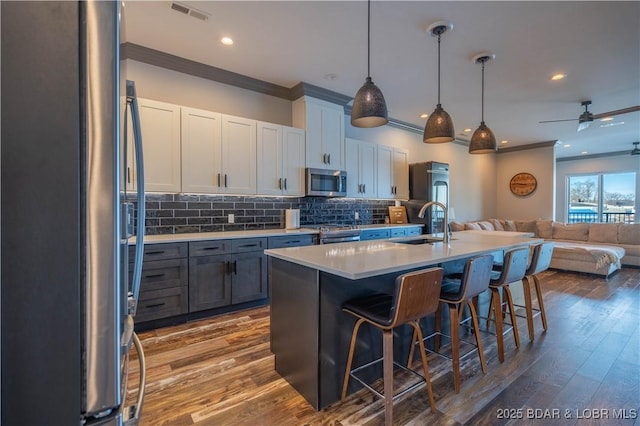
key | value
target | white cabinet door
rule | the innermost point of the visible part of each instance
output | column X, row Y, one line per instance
column 293, row 161
column 201, row 151
column 360, row 158
column 269, row 160
column 385, row 171
column 160, row 124
column 401, row 173
column 238, row 155
column 324, row 125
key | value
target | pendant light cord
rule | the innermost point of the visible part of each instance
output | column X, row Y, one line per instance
column 482, row 97
column 439, row 35
column 369, row 38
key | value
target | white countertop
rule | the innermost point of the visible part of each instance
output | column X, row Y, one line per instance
column 223, row 235
column 364, row 259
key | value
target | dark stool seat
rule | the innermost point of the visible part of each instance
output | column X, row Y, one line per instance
column 513, row 269
column 458, row 291
column 415, row 296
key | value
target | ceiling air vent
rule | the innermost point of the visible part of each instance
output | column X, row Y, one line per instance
column 182, row 8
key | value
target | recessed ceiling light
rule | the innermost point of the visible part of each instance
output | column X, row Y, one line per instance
column 566, row 145
column 330, row 76
column 607, row 119
column 503, row 142
column 423, row 115
column 557, row 77
column 467, row 130
column 584, row 152
column 227, row 41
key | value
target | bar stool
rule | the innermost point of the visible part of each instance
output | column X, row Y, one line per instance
column 514, row 268
column 415, row 296
column 540, row 261
column 457, row 292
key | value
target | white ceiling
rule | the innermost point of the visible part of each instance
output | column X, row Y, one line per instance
column 597, row 44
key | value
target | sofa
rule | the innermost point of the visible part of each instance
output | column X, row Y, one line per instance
column 595, row 248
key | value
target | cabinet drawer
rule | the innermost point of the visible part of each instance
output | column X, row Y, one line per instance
column 210, row 247
column 398, row 232
column 292, row 241
column 159, row 251
column 160, row 274
column 162, row 303
column 414, row 231
column 241, row 245
column 375, row 235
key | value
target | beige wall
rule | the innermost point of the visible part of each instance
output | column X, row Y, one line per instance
column 182, row 89
column 540, row 162
column 613, row 164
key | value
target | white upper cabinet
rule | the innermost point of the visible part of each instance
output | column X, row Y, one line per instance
column 393, row 172
column 361, row 168
column 160, row 128
column 238, row 155
column 281, row 160
column 324, row 125
column 201, row 151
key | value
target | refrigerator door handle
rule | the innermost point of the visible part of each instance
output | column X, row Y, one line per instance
column 139, row 250
column 132, row 414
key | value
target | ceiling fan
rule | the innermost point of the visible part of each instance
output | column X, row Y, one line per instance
column 587, row 117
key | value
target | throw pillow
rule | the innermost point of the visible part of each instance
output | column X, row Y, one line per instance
column 497, row 225
column 472, row 226
column 456, row 226
column 526, row 226
column 544, row 229
column 629, row 233
column 572, row 231
column 603, row 233
column 486, row 226
column 509, row 225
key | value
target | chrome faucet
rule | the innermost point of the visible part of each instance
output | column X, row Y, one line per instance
column 445, row 230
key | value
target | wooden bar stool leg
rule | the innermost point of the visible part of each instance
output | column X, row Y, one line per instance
column 476, row 329
column 512, row 314
column 413, row 346
column 543, row 315
column 438, row 328
column 425, row 365
column 352, row 347
column 387, row 362
column 491, row 305
column 455, row 346
column 495, row 297
column 526, row 287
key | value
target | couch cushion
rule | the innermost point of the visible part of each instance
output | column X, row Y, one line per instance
column 509, row 225
column 572, row 231
column 629, row 233
column 486, row 225
column 603, row 233
column 526, row 226
column 472, row 226
column 544, row 229
column 456, row 226
column 497, row 225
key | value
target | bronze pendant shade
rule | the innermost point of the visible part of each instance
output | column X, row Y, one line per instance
column 369, row 107
column 483, row 141
column 439, row 127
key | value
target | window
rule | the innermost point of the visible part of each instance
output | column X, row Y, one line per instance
column 602, row 198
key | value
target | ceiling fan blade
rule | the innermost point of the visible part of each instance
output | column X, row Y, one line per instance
column 616, row 112
column 557, row 121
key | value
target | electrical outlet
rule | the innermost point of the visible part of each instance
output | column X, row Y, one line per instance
column 231, row 218
column 356, row 216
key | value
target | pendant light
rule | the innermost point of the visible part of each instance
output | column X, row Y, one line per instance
column 439, row 127
column 483, row 140
column 369, row 107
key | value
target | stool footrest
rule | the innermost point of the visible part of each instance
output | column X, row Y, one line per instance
column 411, row 387
column 473, row 348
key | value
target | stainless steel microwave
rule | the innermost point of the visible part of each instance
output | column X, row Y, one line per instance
column 326, row 183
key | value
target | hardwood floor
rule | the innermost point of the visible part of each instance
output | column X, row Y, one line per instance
column 584, row 370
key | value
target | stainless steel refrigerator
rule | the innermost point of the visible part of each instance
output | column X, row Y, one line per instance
column 67, row 307
column 428, row 181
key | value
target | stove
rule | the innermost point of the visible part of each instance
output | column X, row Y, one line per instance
column 330, row 233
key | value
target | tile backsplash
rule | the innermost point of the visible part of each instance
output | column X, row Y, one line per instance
column 184, row 213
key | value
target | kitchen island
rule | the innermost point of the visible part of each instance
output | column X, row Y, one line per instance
column 310, row 333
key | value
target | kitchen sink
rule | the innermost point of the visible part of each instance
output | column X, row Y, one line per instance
column 421, row 240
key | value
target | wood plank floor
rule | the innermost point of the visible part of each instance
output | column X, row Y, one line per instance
column 585, row 370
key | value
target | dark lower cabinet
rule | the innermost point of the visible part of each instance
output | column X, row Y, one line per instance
column 209, row 282
column 249, row 277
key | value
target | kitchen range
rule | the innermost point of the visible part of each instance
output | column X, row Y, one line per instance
column 331, row 233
